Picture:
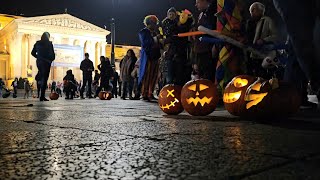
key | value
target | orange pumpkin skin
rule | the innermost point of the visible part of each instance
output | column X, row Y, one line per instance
column 54, row 96
column 281, row 102
column 104, row 95
column 237, row 105
column 199, row 97
column 170, row 99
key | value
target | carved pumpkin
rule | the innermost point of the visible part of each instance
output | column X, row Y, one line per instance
column 199, row 97
column 170, row 99
column 234, row 93
column 253, row 96
column 54, row 96
column 104, row 95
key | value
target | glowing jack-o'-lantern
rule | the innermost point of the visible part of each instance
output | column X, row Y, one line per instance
column 234, row 94
column 104, row 95
column 199, row 97
column 170, row 99
column 54, row 96
column 251, row 97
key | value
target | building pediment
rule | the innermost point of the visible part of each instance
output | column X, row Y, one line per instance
column 64, row 21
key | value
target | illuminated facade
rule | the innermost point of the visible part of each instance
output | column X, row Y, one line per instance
column 71, row 37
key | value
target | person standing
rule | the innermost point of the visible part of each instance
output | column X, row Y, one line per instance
column 261, row 31
column 95, row 83
column 150, row 54
column 86, row 67
column 44, row 52
column 14, row 84
column 26, row 88
column 106, row 73
column 302, row 39
column 125, row 74
column 1, row 86
column 203, row 51
column 115, row 83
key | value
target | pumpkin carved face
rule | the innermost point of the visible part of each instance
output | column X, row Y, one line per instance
column 54, row 96
column 199, row 97
column 170, row 99
column 249, row 96
column 104, row 95
column 234, row 94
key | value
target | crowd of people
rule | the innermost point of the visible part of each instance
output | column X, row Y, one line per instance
column 166, row 58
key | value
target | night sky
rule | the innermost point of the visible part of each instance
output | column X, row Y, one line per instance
column 129, row 14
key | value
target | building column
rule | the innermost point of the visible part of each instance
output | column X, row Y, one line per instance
column 15, row 56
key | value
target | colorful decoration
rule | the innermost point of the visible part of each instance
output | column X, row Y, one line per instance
column 194, row 33
column 54, row 96
column 184, row 16
column 199, row 97
column 170, row 99
column 253, row 96
column 104, row 95
column 229, row 21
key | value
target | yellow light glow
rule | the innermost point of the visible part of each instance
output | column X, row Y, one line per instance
column 168, row 106
column 203, row 87
column 193, row 87
column 197, row 100
column 254, row 99
column 170, row 93
column 238, row 82
column 231, row 97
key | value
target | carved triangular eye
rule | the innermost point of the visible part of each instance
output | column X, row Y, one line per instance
column 193, row 87
column 203, row 87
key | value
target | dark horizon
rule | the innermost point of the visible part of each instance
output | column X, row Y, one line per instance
column 129, row 14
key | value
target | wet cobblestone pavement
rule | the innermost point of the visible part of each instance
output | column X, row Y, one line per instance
column 93, row 139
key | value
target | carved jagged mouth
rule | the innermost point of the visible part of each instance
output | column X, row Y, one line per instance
column 231, row 97
column 168, row 106
column 197, row 100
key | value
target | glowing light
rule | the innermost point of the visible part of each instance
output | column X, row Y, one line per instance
column 197, row 100
column 203, row 87
column 231, row 97
column 254, row 99
column 170, row 93
column 193, row 87
column 168, row 106
column 238, row 82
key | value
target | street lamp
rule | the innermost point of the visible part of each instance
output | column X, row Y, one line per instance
column 113, row 37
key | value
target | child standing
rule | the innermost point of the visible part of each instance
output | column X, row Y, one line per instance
column 26, row 88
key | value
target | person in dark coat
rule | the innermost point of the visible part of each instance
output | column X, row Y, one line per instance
column 106, row 73
column 203, row 51
column 86, row 67
column 14, row 84
column 70, row 85
column 125, row 74
column 115, row 83
column 44, row 52
column 38, row 79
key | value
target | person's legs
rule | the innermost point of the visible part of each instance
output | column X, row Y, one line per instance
column 84, row 83
column 89, row 87
column 124, row 89
column 302, row 37
column 45, row 72
column 130, row 87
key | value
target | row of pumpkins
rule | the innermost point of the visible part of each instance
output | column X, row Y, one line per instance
column 244, row 96
column 103, row 95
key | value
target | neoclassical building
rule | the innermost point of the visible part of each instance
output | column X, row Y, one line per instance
column 71, row 36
